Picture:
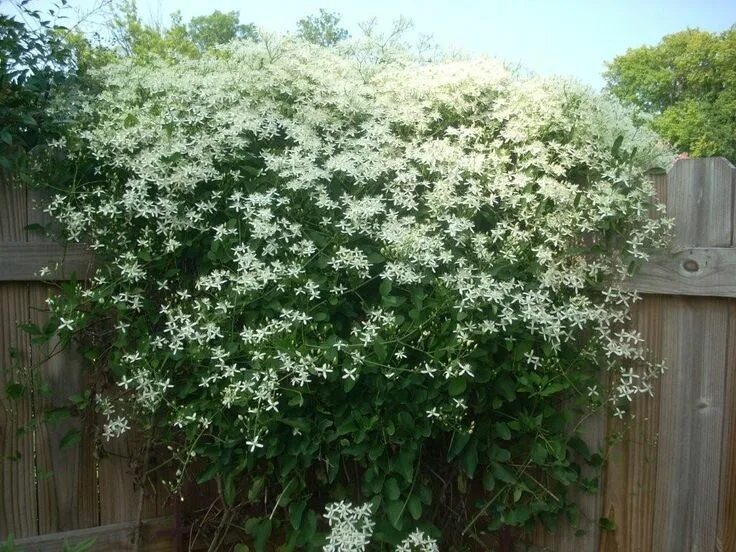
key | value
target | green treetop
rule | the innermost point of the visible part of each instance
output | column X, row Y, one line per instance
column 688, row 83
column 323, row 29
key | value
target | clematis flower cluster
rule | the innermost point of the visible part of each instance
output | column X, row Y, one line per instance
column 277, row 220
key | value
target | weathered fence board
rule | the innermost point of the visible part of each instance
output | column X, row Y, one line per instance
column 705, row 271
column 68, row 489
column 691, row 423
column 631, row 468
column 670, row 480
column 50, row 493
column 17, row 477
column 118, row 537
column 23, row 261
column 726, row 538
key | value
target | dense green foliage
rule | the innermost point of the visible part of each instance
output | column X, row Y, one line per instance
column 34, row 62
column 688, row 82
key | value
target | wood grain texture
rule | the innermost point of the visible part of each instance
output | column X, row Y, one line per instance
column 68, row 478
column 17, row 468
column 13, row 213
column 705, row 271
column 631, row 465
column 17, row 474
column 156, row 537
column 700, row 195
column 726, row 538
column 692, row 397
column 119, row 494
column 23, row 261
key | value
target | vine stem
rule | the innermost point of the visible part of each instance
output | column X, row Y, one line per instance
column 218, row 536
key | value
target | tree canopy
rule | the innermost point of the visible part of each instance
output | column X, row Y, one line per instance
column 144, row 41
column 207, row 31
column 323, row 29
column 688, row 83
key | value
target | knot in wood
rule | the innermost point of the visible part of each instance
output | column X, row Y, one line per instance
column 691, row 265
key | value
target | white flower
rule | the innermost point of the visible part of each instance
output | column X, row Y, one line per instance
column 253, row 443
column 66, row 324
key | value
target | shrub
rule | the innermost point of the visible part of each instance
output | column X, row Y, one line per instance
column 329, row 276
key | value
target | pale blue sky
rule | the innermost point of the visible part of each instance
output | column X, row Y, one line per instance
column 547, row 36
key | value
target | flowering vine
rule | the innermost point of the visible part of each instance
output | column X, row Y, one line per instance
column 394, row 283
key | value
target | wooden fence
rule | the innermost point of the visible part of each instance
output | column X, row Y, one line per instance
column 669, row 484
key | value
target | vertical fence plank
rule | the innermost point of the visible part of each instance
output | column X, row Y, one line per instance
column 631, row 468
column 17, row 480
column 67, row 482
column 700, row 199
column 727, row 515
column 118, row 492
column 68, row 490
column 695, row 341
column 691, row 422
column 49, row 509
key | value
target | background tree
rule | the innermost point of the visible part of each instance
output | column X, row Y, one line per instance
column 323, row 29
column 38, row 55
column 207, row 31
column 688, row 83
column 143, row 41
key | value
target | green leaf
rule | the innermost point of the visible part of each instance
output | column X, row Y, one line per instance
column 208, row 474
column 71, row 438
column 296, row 512
column 229, row 489
column 553, row 388
column 385, row 287
column 15, row 390
column 55, row 415
column 391, row 489
column 502, row 473
column 489, row 481
column 457, row 386
column 415, row 507
column 507, row 388
column 607, row 524
column 617, row 145
column 539, row 452
column 82, row 546
column 499, row 454
column 502, row 430
column 375, row 257
column 459, row 440
column 260, row 529
column 394, row 509
column 470, row 459
column 406, row 422
column 403, row 464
